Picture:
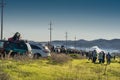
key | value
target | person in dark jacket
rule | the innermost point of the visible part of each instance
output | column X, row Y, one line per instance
column 103, row 57
column 15, row 38
column 108, row 58
column 94, row 55
column 100, row 57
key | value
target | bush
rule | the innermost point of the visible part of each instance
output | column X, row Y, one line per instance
column 59, row 58
column 23, row 57
column 76, row 56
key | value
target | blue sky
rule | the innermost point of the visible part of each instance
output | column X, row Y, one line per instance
column 85, row 19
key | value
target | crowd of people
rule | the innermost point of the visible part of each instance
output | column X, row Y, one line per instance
column 101, row 56
column 91, row 55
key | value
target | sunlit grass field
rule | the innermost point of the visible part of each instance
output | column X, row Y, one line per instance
column 42, row 69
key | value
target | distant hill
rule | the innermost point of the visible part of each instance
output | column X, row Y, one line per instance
column 102, row 43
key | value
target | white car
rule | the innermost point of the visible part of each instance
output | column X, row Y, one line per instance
column 40, row 51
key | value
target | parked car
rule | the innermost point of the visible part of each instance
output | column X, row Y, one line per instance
column 39, row 50
column 20, row 47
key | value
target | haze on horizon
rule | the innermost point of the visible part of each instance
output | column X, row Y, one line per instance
column 85, row 19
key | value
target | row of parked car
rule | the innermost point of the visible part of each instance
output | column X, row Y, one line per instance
column 22, row 47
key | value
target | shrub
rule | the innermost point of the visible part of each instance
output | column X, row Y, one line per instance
column 23, row 57
column 59, row 58
column 76, row 56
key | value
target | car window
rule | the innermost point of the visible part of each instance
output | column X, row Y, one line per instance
column 34, row 47
column 9, row 45
column 16, row 45
column 21, row 46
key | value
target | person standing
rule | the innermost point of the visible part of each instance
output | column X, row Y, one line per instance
column 94, row 55
column 90, row 55
column 108, row 58
column 100, row 57
column 103, row 56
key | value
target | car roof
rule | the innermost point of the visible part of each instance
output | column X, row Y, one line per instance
column 20, row 41
column 3, row 40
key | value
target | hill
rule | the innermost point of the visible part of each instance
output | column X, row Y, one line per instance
column 102, row 43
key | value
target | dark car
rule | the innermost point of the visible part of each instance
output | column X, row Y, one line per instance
column 20, row 47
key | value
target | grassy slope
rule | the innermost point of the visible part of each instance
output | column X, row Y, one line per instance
column 75, row 70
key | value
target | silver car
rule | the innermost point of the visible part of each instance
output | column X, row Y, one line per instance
column 39, row 50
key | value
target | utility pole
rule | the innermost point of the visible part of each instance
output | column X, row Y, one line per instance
column 66, row 36
column 2, row 6
column 75, row 43
column 50, row 31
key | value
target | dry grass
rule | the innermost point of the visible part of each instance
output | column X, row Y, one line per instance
column 73, row 70
column 3, row 75
column 59, row 58
column 77, row 56
column 21, row 68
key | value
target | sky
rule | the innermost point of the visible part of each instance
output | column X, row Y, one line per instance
column 85, row 19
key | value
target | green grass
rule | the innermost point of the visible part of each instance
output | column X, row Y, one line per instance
column 43, row 70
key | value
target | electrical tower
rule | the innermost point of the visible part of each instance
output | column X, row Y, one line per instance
column 2, row 6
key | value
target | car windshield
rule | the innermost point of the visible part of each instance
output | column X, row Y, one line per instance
column 34, row 47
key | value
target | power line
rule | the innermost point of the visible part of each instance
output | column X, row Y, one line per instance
column 2, row 6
